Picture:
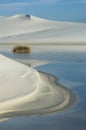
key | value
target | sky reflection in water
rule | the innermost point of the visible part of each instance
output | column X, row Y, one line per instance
column 70, row 68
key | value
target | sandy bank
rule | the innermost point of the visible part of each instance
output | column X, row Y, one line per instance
column 23, row 91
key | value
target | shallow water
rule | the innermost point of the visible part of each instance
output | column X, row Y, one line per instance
column 63, row 53
column 70, row 67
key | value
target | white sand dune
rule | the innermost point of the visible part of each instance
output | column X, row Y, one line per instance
column 30, row 29
column 23, row 90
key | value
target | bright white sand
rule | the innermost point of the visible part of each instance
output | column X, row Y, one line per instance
column 23, row 90
column 23, row 29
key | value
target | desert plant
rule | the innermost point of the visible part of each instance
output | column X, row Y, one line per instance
column 21, row 49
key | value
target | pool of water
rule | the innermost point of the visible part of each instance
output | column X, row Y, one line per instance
column 70, row 67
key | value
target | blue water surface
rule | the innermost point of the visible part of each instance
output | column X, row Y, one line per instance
column 70, row 69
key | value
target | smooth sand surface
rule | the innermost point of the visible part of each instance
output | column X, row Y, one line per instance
column 23, row 91
column 23, row 29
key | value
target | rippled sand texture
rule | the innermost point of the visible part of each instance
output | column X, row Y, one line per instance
column 23, row 90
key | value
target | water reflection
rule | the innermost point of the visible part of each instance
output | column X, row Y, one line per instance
column 70, row 68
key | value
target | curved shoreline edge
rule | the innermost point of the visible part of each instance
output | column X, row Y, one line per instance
column 66, row 102
column 72, row 99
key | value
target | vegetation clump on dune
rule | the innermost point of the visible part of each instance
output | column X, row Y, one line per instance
column 21, row 49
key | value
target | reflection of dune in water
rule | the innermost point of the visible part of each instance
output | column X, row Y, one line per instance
column 30, row 92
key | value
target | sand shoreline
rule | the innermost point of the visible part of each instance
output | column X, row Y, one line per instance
column 25, row 91
column 57, row 107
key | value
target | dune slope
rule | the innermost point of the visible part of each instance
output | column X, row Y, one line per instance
column 30, row 29
column 23, row 90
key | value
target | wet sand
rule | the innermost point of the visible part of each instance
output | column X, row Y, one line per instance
column 50, row 97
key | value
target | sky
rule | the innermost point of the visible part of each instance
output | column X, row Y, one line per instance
column 59, row 10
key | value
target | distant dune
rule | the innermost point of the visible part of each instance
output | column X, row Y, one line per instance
column 30, row 29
